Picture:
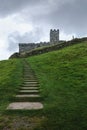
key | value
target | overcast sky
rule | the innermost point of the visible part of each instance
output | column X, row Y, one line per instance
column 27, row 21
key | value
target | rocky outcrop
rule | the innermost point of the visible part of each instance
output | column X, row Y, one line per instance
column 15, row 55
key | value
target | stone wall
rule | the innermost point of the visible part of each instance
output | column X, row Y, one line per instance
column 50, row 48
column 30, row 46
column 55, row 47
column 26, row 47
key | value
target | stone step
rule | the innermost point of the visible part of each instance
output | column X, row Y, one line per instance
column 29, row 81
column 34, row 78
column 29, row 77
column 28, row 95
column 32, row 82
column 26, row 99
column 30, row 85
column 28, row 69
column 26, row 83
column 25, row 106
column 29, row 91
column 30, row 88
column 29, row 73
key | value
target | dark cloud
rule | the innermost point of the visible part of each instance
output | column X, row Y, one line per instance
column 8, row 7
column 67, row 15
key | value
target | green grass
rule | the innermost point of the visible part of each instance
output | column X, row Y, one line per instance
column 10, row 79
column 63, row 80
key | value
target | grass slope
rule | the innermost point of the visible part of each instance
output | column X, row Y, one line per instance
column 10, row 78
column 63, row 80
column 62, row 76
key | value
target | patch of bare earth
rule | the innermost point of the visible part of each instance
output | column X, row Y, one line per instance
column 20, row 123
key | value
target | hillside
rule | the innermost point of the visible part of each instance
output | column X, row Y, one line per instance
column 63, row 78
column 10, row 79
column 63, row 83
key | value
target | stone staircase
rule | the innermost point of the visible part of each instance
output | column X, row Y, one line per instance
column 28, row 97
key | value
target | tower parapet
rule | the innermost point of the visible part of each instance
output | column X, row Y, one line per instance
column 54, row 36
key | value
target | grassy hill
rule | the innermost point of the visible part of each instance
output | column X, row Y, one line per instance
column 10, row 78
column 63, row 82
column 63, row 78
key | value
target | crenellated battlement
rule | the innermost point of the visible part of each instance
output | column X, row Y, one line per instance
column 54, row 36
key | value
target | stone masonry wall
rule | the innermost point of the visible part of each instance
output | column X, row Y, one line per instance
column 30, row 46
column 59, row 46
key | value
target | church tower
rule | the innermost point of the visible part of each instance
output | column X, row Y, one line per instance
column 54, row 36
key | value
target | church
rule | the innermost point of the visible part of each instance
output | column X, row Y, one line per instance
column 54, row 39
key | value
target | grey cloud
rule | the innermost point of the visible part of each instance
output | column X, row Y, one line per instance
column 8, row 7
column 67, row 15
column 70, row 16
column 29, row 37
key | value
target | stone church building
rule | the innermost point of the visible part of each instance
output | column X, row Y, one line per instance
column 54, row 39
